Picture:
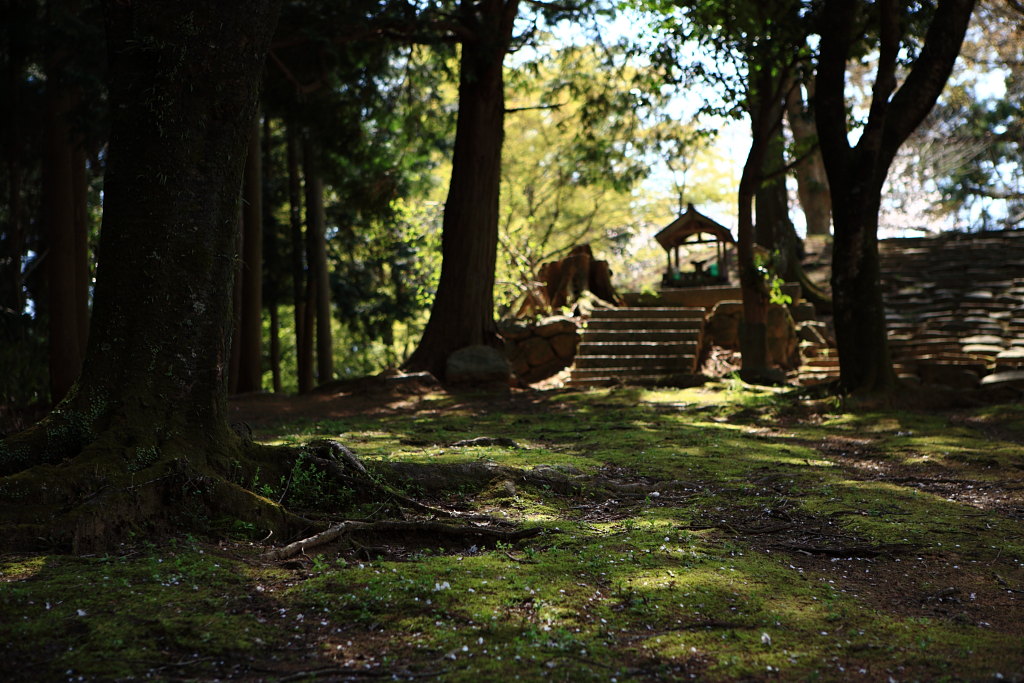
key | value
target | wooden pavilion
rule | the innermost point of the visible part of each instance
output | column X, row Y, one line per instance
column 693, row 228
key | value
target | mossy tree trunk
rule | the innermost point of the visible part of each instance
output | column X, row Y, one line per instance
column 142, row 439
column 463, row 310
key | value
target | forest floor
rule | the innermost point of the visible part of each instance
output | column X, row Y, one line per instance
column 716, row 533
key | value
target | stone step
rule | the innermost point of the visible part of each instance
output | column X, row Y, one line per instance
column 661, row 336
column 621, row 365
column 820, row 363
column 644, row 324
column 647, row 312
column 642, row 380
column 809, row 379
column 638, row 348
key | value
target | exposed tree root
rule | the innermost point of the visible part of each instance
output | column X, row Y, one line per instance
column 436, row 478
column 122, row 483
column 342, row 464
column 378, row 483
column 429, row 529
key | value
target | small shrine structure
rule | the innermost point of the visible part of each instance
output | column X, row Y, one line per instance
column 693, row 228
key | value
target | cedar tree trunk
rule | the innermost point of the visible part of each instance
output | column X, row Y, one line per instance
column 303, row 341
column 272, row 248
column 856, row 174
column 66, row 289
column 463, row 310
column 250, row 319
column 142, row 442
column 316, row 255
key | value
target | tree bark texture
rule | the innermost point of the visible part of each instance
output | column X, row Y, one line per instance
column 145, row 427
column 250, row 319
column 316, row 256
column 765, row 102
column 856, row 174
column 64, row 223
column 463, row 310
column 303, row 341
column 272, row 249
column 811, row 178
column 753, row 332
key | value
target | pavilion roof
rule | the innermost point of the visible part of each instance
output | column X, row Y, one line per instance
column 691, row 223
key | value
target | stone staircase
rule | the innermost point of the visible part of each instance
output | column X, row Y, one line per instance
column 955, row 305
column 639, row 345
column 954, row 310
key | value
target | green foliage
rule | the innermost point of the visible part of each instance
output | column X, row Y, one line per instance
column 584, row 128
column 305, row 487
column 965, row 159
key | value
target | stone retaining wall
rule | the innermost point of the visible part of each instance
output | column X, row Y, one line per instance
column 538, row 350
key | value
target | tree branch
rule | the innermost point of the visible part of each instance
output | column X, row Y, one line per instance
column 931, row 70
column 513, row 110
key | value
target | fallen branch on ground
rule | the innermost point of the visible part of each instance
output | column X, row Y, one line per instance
column 434, row 529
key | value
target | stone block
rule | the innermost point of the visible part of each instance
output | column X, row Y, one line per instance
column 537, row 351
column 565, row 345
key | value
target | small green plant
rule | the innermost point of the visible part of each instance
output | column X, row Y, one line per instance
column 308, row 486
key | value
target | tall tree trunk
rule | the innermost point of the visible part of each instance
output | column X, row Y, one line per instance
column 303, row 341
column 83, row 273
column 753, row 332
column 316, row 255
column 856, row 174
column 463, row 310
column 811, row 178
column 142, row 439
column 771, row 201
column 272, row 247
column 765, row 101
column 859, row 311
column 235, row 348
column 59, row 215
column 250, row 321
column 775, row 230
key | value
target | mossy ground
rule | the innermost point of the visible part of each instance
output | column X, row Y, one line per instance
column 776, row 540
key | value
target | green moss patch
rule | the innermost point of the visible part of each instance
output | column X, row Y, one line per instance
column 740, row 534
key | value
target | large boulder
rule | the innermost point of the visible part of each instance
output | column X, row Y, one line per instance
column 477, row 365
column 723, row 324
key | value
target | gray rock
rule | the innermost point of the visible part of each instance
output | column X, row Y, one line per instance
column 477, row 365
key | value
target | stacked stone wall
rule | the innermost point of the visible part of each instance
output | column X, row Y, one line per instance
column 538, row 350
